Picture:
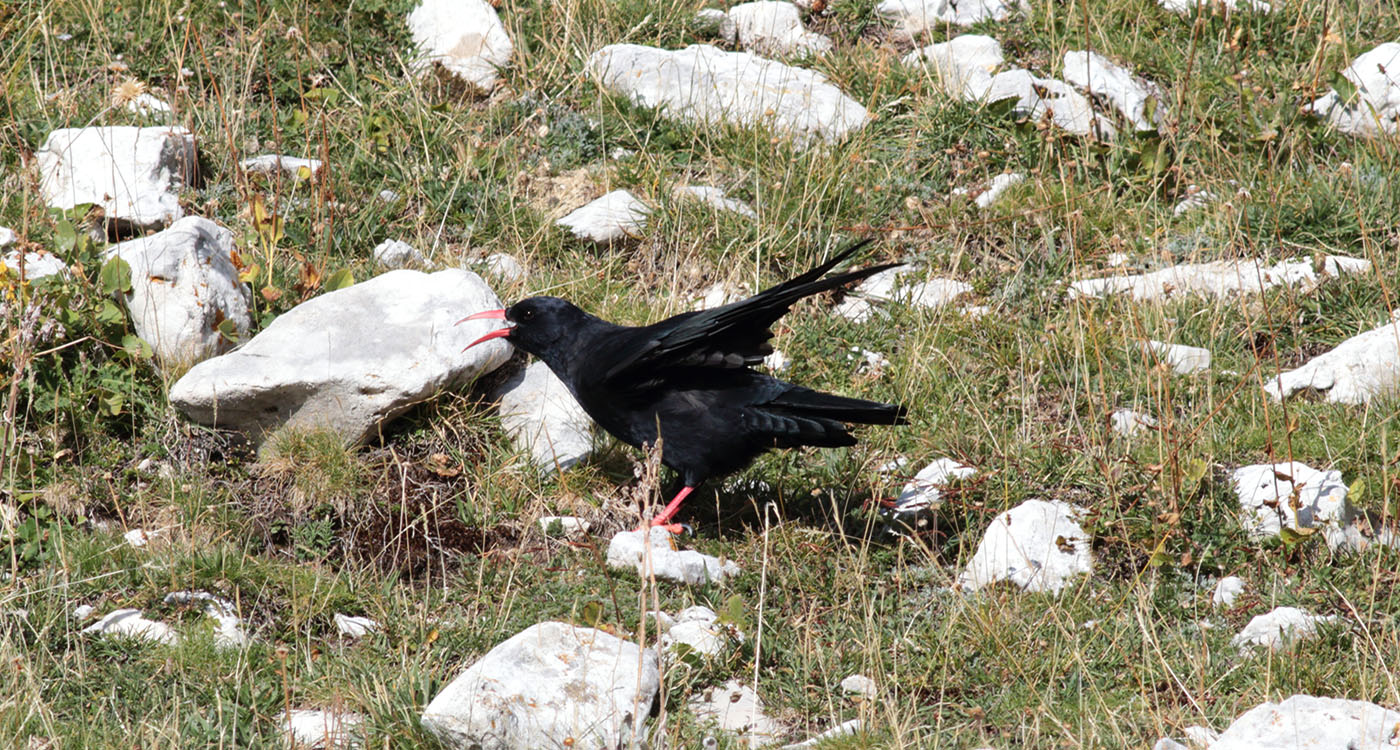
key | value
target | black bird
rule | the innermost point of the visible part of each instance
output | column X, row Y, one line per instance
column 690, row 376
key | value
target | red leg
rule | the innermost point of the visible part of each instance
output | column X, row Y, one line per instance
column 663, row 518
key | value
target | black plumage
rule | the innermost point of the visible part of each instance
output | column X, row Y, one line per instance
column 690, row 377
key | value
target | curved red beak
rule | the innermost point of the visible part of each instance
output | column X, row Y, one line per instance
column 487, row 314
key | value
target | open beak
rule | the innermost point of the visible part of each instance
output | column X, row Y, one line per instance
column 487, row 314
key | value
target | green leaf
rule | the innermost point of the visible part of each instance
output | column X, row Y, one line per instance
column 339, row 280
column 1292, row 536
column 228, row 330
column 115, row 276
column 592, row 613
column 1346, row 90
column 1196, row 470
column 112, row 404
column 1356, row 492
column 110, row 314
column 1159, row 558
column 65, row 236
column 135, row 347
column 735, row 612
column 328, row 96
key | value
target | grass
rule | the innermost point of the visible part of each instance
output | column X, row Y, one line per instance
column 432, row 531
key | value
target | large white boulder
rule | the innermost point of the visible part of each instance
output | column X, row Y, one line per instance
column 1303, row 721
column 551, row 685
column 1219, row 278
column 350, row 359
column 917, row 16
column 542, row 418
column 774, row 27
column 1359, row 369
column 465, row 36
column 703, row 84
column 183, row 287
column 963, row 65
column 1038, row 545
column 1139, row 100
column 134, row 174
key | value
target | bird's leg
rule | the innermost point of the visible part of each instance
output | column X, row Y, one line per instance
column 663, row 518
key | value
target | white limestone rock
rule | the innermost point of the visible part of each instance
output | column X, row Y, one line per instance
column 611, row 218
column 394, row 254
column 1129, row 423
column 571, row 527
column 1036, row 97
column 716, row 21
column 1200, row 737
column 128, row 623
column 147, row 105
column 699, row 629
column 1184, row 360
column 351, row 359
column 1295, row 496
column 1278, row 628
column 997, row 188
column 705, row 85
column 551, row 685
column 1191, row 6
column 33, row 266
column 320, row 729
column 777, row 362
column 840, row 730
column 1227, row 589
column 139, row 538
column 135, row 174
column 1139, row 100
column 860, row 685
column 1361, row 368
column 1375, row 108
column 925, row 490
column 292, row 166
column 652, row 552
column 1219, row 278
column 7, row 237
column 884, row 287
column 715, row 198
column 774, row 28
column 719, row 294
column 505, row 267
column 735, row 709
column 183, row 286
column 466, row 37
column 913, row 17
column 542, row 418
column 352, row 626
column 1038, row 545
column 1304, row 721
column 962, row 65
column 228, row 626
column 83, row 611
column 1196, row 199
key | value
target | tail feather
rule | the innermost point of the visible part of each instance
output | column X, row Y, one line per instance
column 806, row 402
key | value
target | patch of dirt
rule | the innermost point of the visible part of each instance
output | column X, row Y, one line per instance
column 556, row 196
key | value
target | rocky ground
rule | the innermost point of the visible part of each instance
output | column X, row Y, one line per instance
column 257, row 494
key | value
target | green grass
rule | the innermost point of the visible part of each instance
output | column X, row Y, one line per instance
column 433, row 531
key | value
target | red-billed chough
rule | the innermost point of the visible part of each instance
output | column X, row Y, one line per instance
column 690, row 376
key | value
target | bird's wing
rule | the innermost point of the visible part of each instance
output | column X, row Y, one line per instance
column 733, row 335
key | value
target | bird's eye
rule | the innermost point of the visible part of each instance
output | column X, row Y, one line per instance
column 527, row 314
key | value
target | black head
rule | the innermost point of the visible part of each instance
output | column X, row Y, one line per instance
column 540, row 325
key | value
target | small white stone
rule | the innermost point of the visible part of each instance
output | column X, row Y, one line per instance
column 917, row 16
column 1184, row 360
column 1167, row 743
column 650, row 552
column 388, row 196
column 777, row 362
column 774, row 28
column 292, row 166
column 466, row 37
column 1303, row 721
column 317, row 729
column 1115, row 260
column 33, row 266
column 860, row 685
column 869, row 361
column 1218, row 278
column 7, row 237
column 1129, row 423
column 1035, row 97
column 1200, row 737
column 130, row 624
column 997, row 188
column 229, row 626
column 83, row 611
column 925, row 490
column 619, row 215
column 1279, row 627
column 1191, row 6
column 393, row 254
column 1131, row 95
column 139, row 538
column 1038, row 545
column 1375, row 108
column 840, row 730
column 737, row 710
column 354, row 627
column 1196, row 198
column 1227, row 589
column 569, row 526
column 1294, row 495
column 719, row 294
column 147, row 105
column 963, row 65
column 715, row 198
column 505, row 267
